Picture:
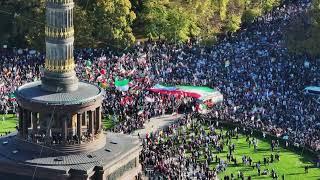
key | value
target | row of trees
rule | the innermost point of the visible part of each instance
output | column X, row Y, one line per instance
column 184, row 19
column 303, row 34
column 117, row 23
column 97, row 23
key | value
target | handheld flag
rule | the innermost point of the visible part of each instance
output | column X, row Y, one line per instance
column 122, row 85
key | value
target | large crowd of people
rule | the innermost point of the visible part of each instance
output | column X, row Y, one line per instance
column 261, row 81
column 195, row 148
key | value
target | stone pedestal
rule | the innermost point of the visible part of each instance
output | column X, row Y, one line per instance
column 59, row 82
column 112, row 161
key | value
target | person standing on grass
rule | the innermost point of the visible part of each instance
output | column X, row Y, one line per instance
column 277, row 157
column 255, row 146
column 6, row 111
column 272, row 145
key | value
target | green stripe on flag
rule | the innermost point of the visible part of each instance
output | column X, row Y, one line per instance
column 12, row 95
column 121, row 82
column 196, row 88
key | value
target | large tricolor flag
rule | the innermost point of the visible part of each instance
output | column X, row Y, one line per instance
column 199, row 92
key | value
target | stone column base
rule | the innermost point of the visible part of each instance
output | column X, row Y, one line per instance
column 59, row 82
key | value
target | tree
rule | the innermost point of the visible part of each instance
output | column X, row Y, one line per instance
column 100, row 23
column 233, row 23
column 303, row 33
column 155, row 17
column 181, row 25
column 250, row 15
column 269, row 4
column 84, row 28
column 171, row 23
column 35, row 33
column 97, row 23
column 223, row 9
column 206, row 15
column 23, row 22
column 137, row 5
column 315, row 13
column 112, row 20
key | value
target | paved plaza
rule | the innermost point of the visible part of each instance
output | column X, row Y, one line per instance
column 156, row 124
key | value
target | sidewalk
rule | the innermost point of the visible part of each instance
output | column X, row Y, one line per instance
column 156, row 124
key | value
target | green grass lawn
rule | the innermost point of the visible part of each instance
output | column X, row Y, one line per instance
column 291, row 164
column 107, row 123
column 9, row 123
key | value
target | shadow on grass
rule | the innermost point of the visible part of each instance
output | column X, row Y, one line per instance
column 290, row 174
column 256, row 176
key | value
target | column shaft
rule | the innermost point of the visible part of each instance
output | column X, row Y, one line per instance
column 74, row 124
column 84, row 118
column 29, row 123
column 42, row 121
column 25, row 123
column 99, row 174
column 91, row 122
column 79, row 133
column 34, row 123
column 59, row 32
column 20, row 121
column 65, row 128
column 98, row 119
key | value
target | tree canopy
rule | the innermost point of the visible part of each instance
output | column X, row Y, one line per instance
column 303, row 33
column 117, row 23
column 23, row 23
column 97, row 23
